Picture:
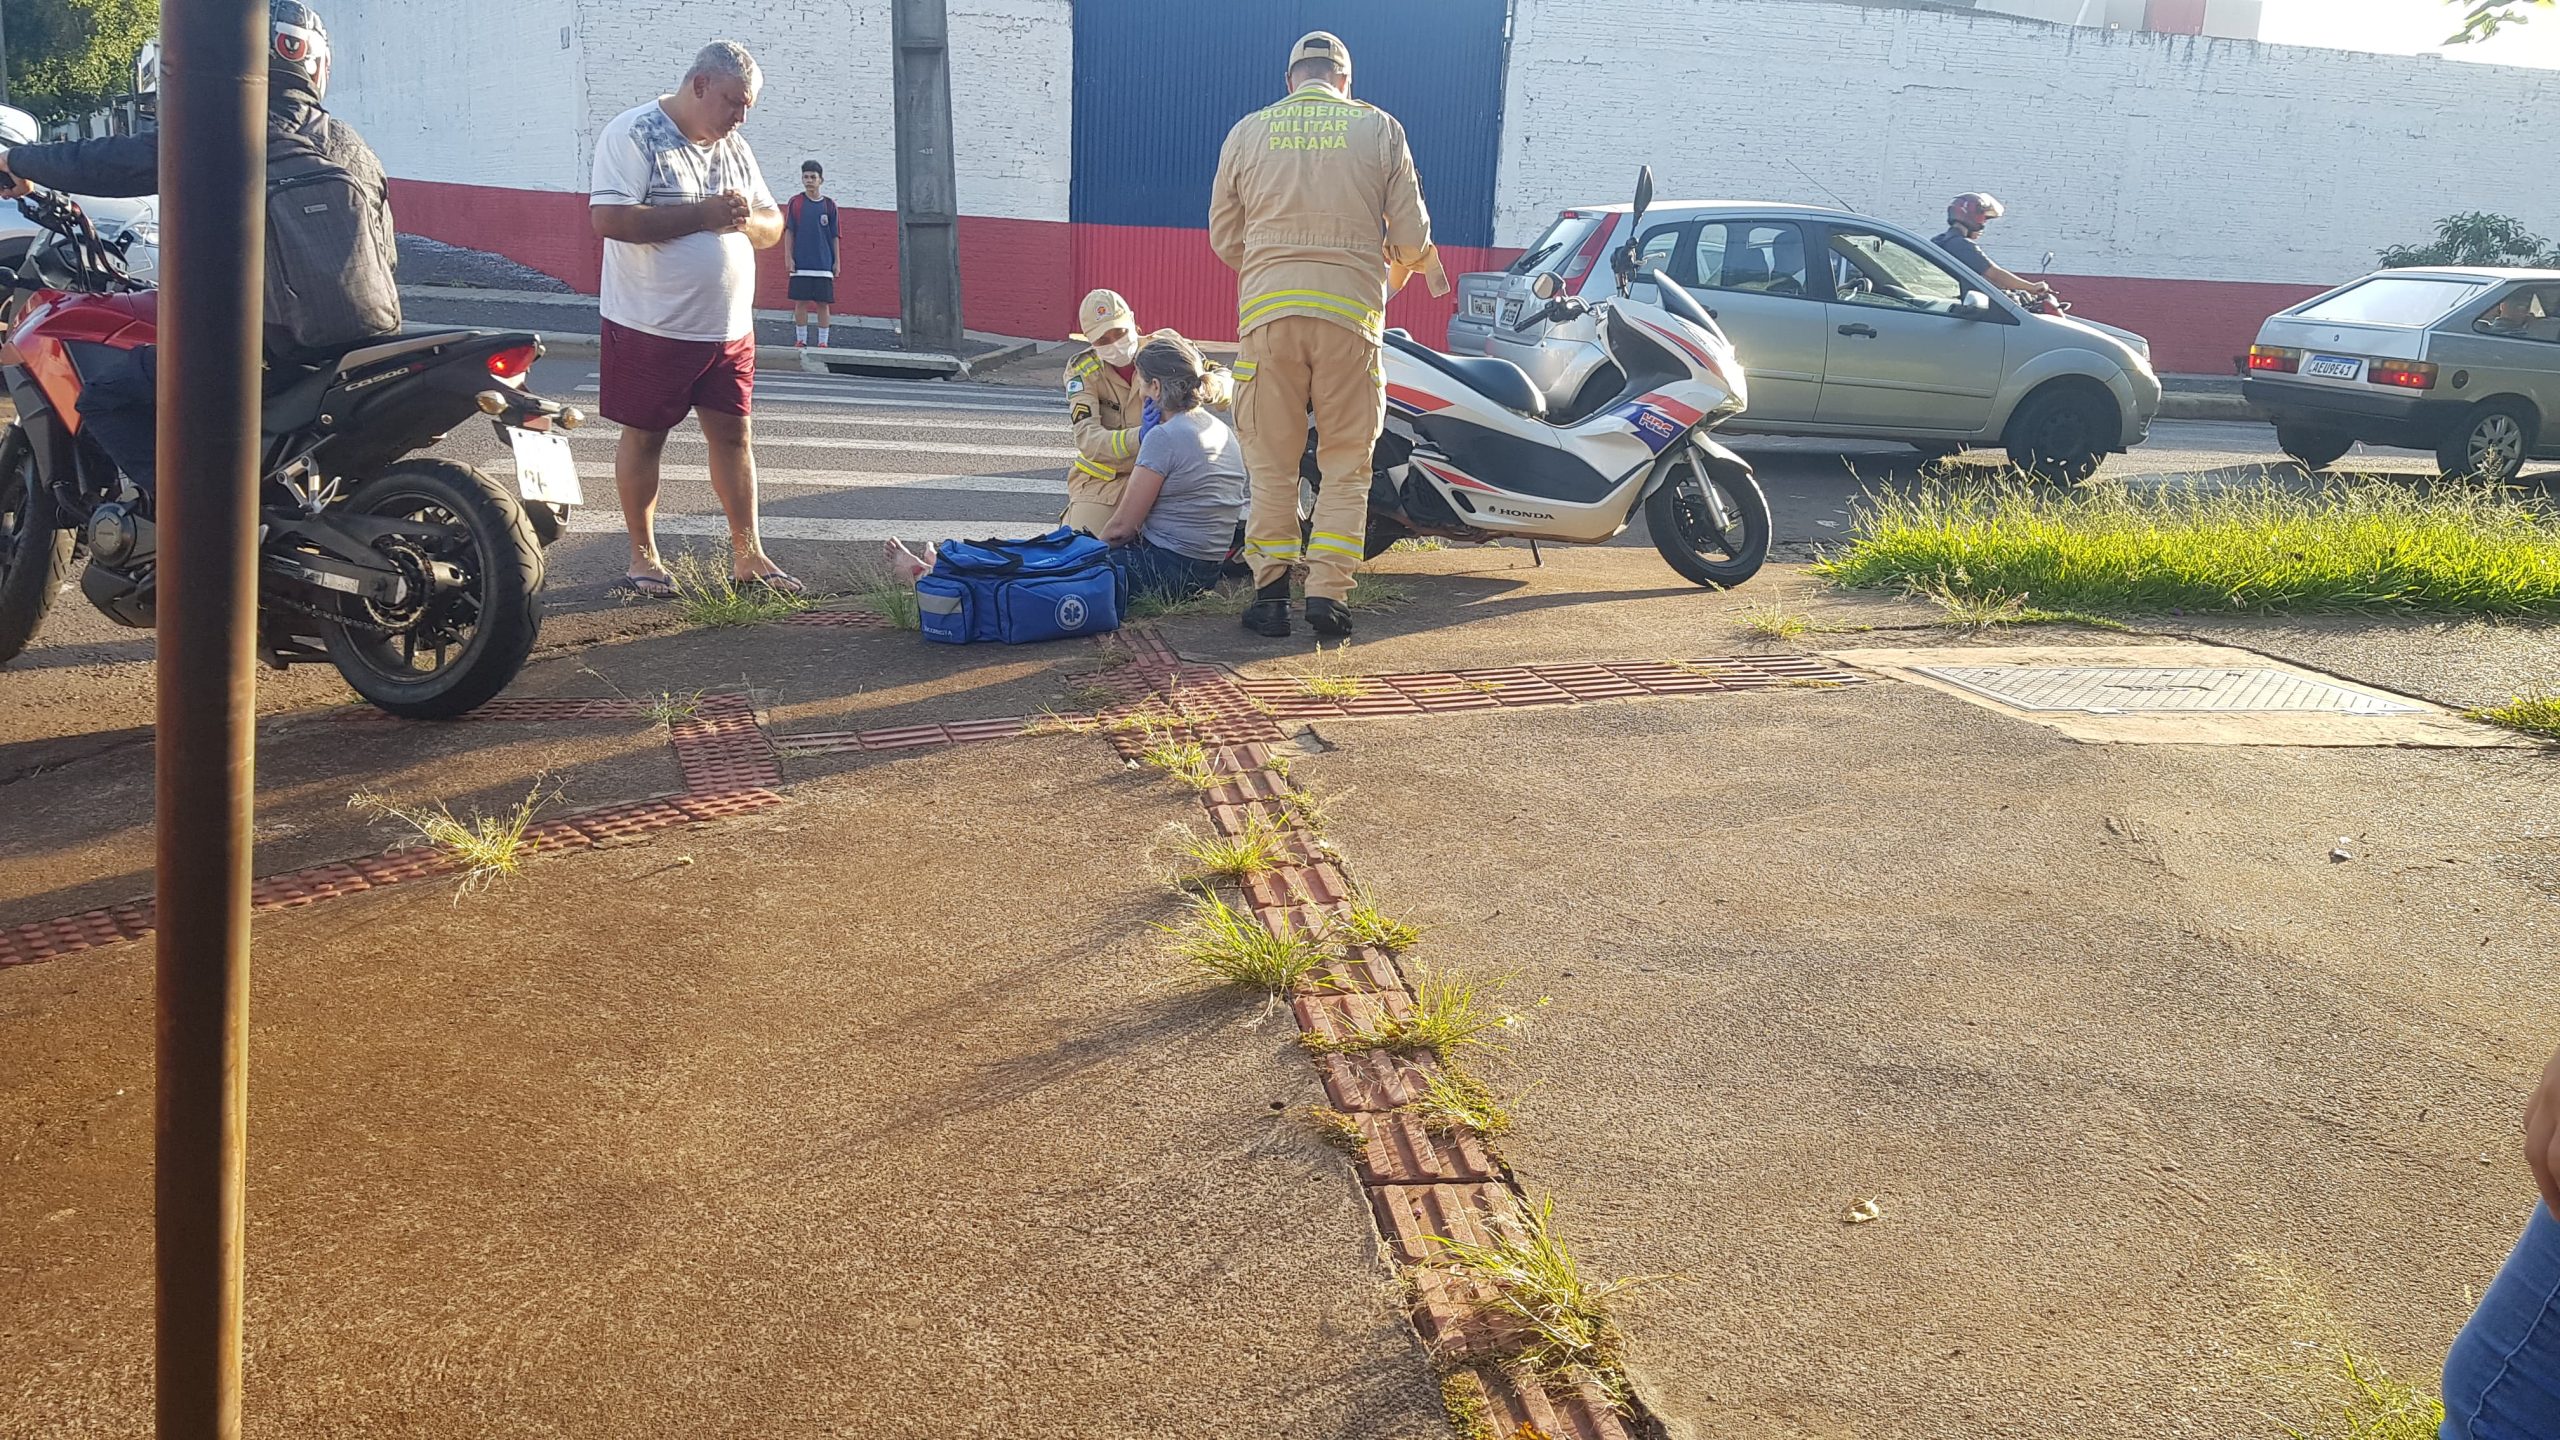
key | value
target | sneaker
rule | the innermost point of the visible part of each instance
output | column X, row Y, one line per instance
column 1328, row 617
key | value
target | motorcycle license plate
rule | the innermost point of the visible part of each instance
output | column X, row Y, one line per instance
column 2333, row 367
column 1510, row 312
column 545, row 473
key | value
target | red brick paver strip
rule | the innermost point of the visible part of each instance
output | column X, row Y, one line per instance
column 1454, row 1312
column 1359, row 969
column 1375, row 1080
column 1336, row 1019
column 1518, row 687
column 722, row 747
column 1529, row 1405
column 903, row 737
column 1409, row 1216
column 839, row 619
column 1404, row 1151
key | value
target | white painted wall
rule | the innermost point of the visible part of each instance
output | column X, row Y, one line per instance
column 471, row 92
column 481, row 91
column 2126, row 154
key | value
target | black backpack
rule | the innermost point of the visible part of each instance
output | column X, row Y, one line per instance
column 331, row 249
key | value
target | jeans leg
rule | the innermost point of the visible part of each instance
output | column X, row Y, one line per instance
column 2502, row 1379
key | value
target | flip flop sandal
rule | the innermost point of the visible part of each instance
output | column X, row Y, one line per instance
column 649, row 587
column 777, row 582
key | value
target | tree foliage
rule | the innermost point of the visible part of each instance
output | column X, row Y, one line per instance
column 68, row 57
column 2475, row 238
column 2484, row 18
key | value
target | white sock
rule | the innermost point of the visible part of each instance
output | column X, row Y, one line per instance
column 825, row 343
column 800, row 333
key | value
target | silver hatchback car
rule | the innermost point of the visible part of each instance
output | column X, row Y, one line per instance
column 1848, row 327
column 2461, row 361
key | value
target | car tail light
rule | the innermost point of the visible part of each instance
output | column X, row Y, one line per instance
column 2406, row 374
column 511, row 364
column 2274, row 357
column 1592, row 246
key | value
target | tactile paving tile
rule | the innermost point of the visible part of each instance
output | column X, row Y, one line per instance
column 723, row 748
column 1321, row 885
column 1523, row 1404
column 401, row 866
column 71, row 934
column 1457, row 1320
column 1361, row 969
column 1376, row 1080
column 297, row 888
column 1247, row 785
column 1404, row 1151
column 616, row 824
column 903, row 737
column 1410, row 1215
column 725, row 804
column 1521, row 687
column 839, row 619
column 1336, row 1018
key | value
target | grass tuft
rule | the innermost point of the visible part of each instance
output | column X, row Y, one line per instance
column 664, row 708
column 1771, row 621
column 1222, row 600
column 1470, row 1410
column 1420, row 544
column 1214, row 858
column 2348, row 546
column 1452, row 1099
column 2376, row 1406
column 1365, row 924
column 1186, row 761
column 1536, row 1281
column 1453, row 1014
column 489, row 848
column 1327, row 676
column 2532, row 714
column 1229, row 943
column 1975, row 611
column 1377, row 593
column 889, row 596
column 706, row 595
column 1339, row 1130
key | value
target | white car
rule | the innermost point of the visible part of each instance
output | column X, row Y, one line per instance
column 114, row 218
column 1847, row 327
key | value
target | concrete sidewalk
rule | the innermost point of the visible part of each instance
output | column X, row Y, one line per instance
column 877, row 1107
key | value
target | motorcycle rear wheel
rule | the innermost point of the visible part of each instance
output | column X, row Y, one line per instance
column 34, row 555
column 477, row 634
column 1684, row 527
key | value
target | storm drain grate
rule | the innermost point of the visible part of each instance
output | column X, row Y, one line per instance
column 2123, row 689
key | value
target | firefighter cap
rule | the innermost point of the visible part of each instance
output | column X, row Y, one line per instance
column 1322, row 45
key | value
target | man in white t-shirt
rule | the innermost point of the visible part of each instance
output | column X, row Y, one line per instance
column 683, row 209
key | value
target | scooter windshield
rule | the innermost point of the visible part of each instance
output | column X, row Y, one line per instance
column 1681, row 303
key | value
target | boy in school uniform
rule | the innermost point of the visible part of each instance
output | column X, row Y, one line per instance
column 809, row 232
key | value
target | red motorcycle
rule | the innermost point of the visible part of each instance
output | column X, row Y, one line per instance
column 420, row 578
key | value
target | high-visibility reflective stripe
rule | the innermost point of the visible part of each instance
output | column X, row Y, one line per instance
column 1263, row 307
column 1273, row 549
column 1120, row 442
column 1244, row 370
column 1095, row 468
column 1334, row 544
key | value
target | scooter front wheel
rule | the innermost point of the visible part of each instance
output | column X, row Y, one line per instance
column 1709, row 519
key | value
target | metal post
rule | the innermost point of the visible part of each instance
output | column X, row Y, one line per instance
column 4, row 55
column 928, row 183
column 213, row 172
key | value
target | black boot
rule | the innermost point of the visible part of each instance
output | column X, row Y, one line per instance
column 1268, row 615
column 1328, row 617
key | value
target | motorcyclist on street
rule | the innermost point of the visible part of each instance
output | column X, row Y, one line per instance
column 117, row 404
column 1967, row 215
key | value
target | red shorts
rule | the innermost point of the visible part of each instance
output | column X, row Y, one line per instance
column 649, row 382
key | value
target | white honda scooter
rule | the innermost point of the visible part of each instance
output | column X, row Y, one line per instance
column 1469, row 454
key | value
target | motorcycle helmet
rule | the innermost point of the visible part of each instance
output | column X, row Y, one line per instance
column 299, row 43
column 1972, row 210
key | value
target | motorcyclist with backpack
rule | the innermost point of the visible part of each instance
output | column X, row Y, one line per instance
column 331, row 247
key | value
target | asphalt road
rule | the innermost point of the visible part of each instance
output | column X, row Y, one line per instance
column 847, row 463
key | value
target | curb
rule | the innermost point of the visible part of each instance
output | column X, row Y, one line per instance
column 2175, row 406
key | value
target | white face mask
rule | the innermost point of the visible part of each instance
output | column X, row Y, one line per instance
column 1118, row 352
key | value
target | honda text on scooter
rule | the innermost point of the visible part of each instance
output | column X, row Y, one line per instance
column 1469, row 452
column 419, row 578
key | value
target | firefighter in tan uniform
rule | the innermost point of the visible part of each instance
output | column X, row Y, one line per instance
column 1318, row 211
column 1106, row 407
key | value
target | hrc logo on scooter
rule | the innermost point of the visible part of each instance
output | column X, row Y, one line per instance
column 1654, row 428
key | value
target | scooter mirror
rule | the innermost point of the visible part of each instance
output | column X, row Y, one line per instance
column 1644, row 192
column 17, row 127
column 1546, row 285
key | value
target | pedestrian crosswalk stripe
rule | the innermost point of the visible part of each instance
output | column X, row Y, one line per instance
column 763, row 442
column 802, row 527
column 1039, row 425
column 883, row 480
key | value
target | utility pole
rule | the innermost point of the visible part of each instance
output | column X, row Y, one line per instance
column 213, row 172
column 928, row 183
column 4, row 55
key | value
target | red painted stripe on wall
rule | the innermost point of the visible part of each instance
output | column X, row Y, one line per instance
column 1015, row 275
column 1024, row 277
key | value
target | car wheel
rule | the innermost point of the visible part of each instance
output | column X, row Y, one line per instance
column 2317, row 449
column 2489, row 445
column 2063, row 433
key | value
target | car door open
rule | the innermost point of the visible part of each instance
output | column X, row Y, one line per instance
column 1909, row 353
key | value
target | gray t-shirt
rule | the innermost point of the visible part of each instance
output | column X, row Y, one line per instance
column 1204, row 493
